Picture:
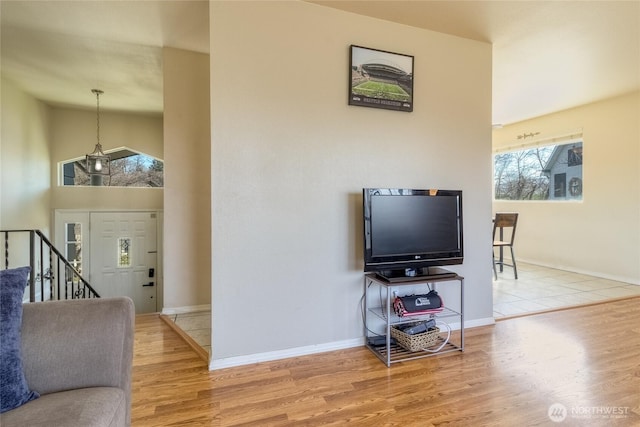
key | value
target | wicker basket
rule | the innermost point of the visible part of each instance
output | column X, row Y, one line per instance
column 416, row 342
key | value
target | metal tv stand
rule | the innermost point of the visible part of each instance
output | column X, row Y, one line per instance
column 391, row 352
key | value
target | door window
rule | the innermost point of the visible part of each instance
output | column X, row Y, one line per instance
column 124, row 252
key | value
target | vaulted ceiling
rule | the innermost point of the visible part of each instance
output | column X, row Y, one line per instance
column 59, row 50
column 547, row 55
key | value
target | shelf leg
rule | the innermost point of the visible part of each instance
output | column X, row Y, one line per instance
column 388, row 326
column 462, row 314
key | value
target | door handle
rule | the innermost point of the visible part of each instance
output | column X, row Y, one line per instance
column 148, row 284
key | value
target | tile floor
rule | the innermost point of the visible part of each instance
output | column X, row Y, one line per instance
column 537, row 289
column 540, row 288
column 197, row 325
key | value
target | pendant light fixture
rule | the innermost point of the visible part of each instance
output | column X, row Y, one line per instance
column 98, row 164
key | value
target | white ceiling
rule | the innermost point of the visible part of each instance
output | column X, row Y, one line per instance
column 59, row 50
column 547, row 55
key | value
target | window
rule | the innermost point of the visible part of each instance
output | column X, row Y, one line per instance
column 574, row 156
column 559, row 185
column 73, row 244
column 124, row 252
column 549, row 172
column 128, row 169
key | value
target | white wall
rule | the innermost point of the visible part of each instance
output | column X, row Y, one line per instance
column 73, row 134
column 24, row 169
column 187, row 212
column 290, row 159
column 24, row 154
column 600, row 235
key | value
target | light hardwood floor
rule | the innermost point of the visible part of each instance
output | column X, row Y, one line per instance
column 586, row 359
column 537, row 289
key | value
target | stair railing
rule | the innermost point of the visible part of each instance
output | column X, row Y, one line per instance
column 48, row 266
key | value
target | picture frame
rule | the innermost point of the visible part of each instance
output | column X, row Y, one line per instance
column 380, row 79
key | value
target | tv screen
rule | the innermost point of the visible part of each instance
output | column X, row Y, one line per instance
column 408, row 229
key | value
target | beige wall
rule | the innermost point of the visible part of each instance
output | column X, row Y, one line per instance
column 187, row 213
column 290, row 159
column 25, row 161
column 73, row 134
column 601, row 234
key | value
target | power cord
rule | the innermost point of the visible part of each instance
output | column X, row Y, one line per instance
column 364, row 317
column 441, row 346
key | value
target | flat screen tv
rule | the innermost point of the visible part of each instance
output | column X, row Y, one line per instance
column 409, row 233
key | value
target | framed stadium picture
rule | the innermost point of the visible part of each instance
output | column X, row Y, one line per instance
column 381, row 79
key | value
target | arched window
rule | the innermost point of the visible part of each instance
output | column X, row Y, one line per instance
column 128, row 169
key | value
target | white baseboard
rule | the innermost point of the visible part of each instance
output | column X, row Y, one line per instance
column 629, row 280
column 186, row 309
column 487, row 321
column 230, row 362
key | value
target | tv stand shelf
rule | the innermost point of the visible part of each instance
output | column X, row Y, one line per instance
column 390, row 352
column 394, row 319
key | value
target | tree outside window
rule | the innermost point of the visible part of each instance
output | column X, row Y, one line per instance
column 552, row 172
column 128, row 169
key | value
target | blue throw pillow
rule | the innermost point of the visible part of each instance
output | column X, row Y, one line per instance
column 14, row 390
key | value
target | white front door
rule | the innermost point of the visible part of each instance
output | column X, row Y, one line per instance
column 124, row 257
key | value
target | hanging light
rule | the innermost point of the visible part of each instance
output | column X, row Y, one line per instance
column 98, row 164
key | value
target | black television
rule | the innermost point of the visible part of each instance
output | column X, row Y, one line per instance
column 411, row 233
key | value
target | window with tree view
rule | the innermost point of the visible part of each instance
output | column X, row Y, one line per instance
column 550, row 172
column 128, row 169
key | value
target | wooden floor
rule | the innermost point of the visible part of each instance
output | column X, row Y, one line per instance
column 512, row 374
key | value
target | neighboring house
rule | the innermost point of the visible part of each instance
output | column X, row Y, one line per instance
column 564, row 169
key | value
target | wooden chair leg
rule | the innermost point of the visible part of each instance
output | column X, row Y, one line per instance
column 513, row 261
column 495, row 273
